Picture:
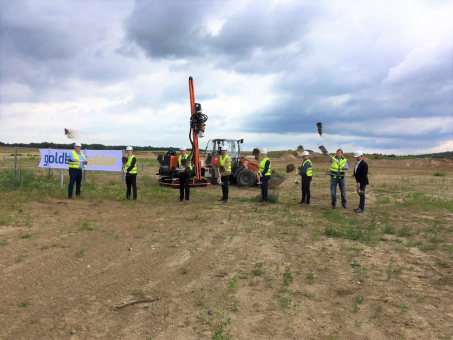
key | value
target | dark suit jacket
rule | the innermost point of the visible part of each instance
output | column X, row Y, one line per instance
column 361, row 175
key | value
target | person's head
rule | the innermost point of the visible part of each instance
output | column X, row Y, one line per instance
column 263, row 152
column 77, row 147
column 129, row 150
column 223, row 150
column 358, row 155
column 183, row 150
column 305, row 154
column 339, row 153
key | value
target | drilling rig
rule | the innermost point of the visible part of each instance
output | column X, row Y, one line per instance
column 168, row 164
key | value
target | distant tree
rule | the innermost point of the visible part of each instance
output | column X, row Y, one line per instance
column 300, row 147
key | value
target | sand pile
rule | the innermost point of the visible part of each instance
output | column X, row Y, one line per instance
column 288, row 157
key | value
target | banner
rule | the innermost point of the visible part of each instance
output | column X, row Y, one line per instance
column 102, row 160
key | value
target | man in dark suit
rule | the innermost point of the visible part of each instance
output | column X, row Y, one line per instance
column 361, row 177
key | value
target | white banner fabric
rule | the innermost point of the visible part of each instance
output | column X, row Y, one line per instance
column 102, row 160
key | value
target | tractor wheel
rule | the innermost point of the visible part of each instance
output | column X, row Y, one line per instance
column 246, row 178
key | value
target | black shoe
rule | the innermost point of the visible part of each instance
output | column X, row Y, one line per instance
column 180, row 200
column 356, row 209
column 301, row 202
column 79, row 196
column 359, row 211
column 222, row 199
column 69, row 198
column 135, row 198
column 344, row 206
column 225, row 201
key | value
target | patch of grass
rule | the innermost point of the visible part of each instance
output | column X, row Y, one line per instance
column 287, row 277
column 21, row 257
column 388, row 229
column 286, row 301
column 137, row 293
column 310, row 277
column 404, row 307
column 273, row 197
column 347, row 232
column 258, row 270
column 220, row 331
column 233, row 284
column 356, row 305
column 184, row 271
column 377, row 312
column 441, row 263
column 405, row 231
column 24, row 236
column 3, row 242
column 440, row 174
column 24, row 304
column 86, row 226
column 80, row 252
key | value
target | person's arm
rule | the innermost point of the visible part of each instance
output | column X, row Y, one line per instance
column 303, row 170
column 132, row 165
column 364, row 173
column 266, row 167
column 346, row 166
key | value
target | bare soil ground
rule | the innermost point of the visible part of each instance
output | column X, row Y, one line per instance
column 233, row 271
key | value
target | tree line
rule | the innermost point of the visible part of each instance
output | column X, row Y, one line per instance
column 45, row 145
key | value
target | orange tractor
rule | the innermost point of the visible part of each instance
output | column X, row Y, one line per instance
column 243, row 170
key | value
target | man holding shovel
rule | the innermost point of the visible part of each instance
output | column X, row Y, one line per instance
column 338, row 165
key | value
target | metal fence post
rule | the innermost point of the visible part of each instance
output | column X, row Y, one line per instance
column 15, row 160
column 61, row 179
column 122, row 173
column 48, row 166
column 20, row 176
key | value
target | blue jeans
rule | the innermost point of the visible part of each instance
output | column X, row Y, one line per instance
column 333, row 190
column 362, row 198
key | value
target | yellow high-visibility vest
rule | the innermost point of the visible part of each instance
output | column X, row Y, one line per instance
column 263, row 164
column 75, row 164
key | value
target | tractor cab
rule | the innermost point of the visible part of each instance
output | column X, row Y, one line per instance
column 213, row 150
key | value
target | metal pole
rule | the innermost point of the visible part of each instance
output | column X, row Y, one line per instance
column 15, row 160
column 61, row 179
column 48, row 166
column 20, row 176
column 83, row 170
column 122, row 173
column 142, row 167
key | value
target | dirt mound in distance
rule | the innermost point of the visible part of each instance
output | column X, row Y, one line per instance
column 288, row 157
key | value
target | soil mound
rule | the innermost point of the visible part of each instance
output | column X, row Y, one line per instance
column 288, row 157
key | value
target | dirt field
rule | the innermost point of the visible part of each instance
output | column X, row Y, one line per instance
column 231, row 271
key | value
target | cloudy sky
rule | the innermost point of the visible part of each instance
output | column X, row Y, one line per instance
column 377, row 74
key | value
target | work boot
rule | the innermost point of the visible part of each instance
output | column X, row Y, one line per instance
column 356, row 209
column 359, row 211
column 225, row 201
column 344, row 206
column 301, row 202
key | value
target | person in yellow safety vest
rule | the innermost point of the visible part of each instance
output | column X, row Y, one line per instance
column 264, row 173
column 306, row 172
column 338, row 166
column 77, row 162
column 225, row 166
column 184, row 168
column 130, row 170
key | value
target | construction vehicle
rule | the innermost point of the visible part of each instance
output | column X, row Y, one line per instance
column 168, row 164
column 243, row 171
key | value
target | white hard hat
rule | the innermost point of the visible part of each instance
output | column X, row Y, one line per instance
column 305, row 153
column 78, row 144
column 264, row 151
column 129, row 148
column 223, row 148
column 183, row 148
column 358, row 153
